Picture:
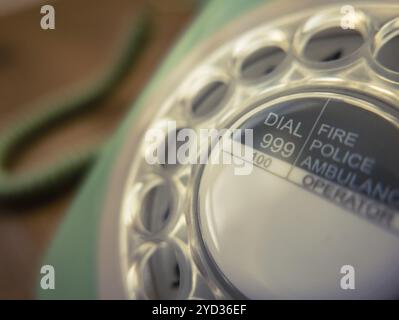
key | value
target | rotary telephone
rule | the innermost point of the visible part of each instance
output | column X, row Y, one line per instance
column 315, row 84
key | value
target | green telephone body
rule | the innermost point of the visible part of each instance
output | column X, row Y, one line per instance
column 82, row 269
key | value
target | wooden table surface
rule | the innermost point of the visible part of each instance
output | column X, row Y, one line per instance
column 35, row 63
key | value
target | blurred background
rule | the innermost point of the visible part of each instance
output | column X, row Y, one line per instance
column 35, row 64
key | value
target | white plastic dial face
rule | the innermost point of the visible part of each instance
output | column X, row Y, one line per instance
column 323, row 194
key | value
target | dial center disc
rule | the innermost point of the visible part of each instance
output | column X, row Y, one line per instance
column 318, row 212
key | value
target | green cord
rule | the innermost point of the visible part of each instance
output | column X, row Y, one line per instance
column 43, row 182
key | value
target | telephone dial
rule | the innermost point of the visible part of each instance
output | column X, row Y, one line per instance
column 317, row 216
